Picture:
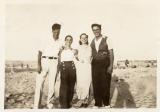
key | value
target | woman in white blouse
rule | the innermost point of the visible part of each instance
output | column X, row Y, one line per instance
column 67, row 73
column 83, row 70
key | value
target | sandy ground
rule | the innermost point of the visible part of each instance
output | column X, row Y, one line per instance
column 130, row 88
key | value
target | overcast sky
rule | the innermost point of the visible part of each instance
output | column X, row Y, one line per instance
column 133, row 26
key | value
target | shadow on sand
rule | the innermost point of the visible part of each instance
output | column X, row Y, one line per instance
column 124, row 98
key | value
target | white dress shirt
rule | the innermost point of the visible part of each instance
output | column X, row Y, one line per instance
column 108, row 41
column 50, row 47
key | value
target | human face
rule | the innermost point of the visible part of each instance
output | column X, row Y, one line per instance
column 84, row 39
column 68, row 41
column 97, row 31
column 56, row 33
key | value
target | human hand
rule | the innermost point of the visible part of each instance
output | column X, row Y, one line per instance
column 110, row 69
column 75, row 51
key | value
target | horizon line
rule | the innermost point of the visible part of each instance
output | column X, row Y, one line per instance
column 116, row 60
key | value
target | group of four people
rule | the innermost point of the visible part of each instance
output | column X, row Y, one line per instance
column 82, row 66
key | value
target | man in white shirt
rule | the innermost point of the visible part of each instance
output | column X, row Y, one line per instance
column 102, row 67
column 47, row 65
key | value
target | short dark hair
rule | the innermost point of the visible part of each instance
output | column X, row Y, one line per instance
column 80, row 43
column 95, row 24
column 68, row 36
column 56, row 26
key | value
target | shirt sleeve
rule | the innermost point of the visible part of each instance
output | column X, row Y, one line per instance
column 109, row 43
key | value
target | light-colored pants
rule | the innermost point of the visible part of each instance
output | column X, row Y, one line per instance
column 49, row 67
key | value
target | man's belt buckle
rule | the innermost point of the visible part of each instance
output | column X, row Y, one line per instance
column 43, row 56
column 50, row 57
column 55, row 58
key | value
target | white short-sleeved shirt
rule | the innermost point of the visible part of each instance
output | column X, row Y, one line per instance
column 50, row 47
column 67, row 55
column 108, row 41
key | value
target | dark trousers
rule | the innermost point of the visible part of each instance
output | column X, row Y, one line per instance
column 101, row 83
column 68, row 79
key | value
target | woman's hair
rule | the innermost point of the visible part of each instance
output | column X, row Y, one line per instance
column 68, row 36
column 80, row 43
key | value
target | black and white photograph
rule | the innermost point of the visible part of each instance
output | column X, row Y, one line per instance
column 81, row 55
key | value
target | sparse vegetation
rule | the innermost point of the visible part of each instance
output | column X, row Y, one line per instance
column 129, row 83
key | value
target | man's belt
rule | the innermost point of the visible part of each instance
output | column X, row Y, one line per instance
column 49, row 57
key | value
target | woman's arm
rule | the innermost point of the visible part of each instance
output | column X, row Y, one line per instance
column 75, row 51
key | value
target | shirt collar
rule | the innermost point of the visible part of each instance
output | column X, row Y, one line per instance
column 99, row 39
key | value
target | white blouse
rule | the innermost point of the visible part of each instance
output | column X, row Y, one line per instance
column 67, row 55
